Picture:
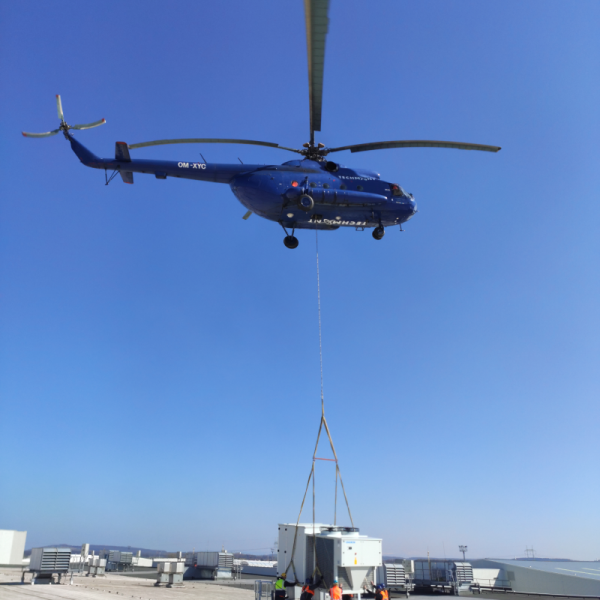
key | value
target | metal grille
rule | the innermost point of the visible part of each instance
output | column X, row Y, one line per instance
column 263, row 590
column 310, row 559
column 344, row 578
column 55, row 560
column 225, row 560
column 325, row 560
column 394, row 574
column 435, row 571
column 464, row 573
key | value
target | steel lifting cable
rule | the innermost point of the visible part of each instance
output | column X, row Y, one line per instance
column 320, row 336
column 312, row 471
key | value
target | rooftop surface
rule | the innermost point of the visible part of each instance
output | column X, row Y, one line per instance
column 589, row 569
column 99, row 588
column 126, row 587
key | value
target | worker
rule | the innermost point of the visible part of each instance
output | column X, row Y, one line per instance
column 335, row 592
column 280, row 585
column 381, row 593
column 308, row 590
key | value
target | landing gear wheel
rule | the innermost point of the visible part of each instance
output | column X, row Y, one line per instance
column 306, row 203
column 378, row 232
column 290, row 242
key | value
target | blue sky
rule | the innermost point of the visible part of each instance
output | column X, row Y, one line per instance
column 159, row 372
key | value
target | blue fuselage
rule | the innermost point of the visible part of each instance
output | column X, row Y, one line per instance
column 342, row 197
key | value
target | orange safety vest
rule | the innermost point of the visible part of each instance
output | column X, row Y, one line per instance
column 306, row 588
column 335, row 592
column 384, row 594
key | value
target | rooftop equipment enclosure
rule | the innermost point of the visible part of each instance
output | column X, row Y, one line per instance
column 50, row 560
column 341, row 552
column 12, row 546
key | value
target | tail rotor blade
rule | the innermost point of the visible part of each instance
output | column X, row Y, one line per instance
column 40, row 135
column 89, row 125
column 59, row 108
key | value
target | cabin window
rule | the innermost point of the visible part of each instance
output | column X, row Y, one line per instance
column 326, row 185
column 343, row 186
column 360, row 188
column 397, row 190
column 312, row 184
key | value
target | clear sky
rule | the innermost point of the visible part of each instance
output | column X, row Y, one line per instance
column 159, row 371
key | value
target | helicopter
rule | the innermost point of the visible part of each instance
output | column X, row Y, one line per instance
column 311, row 192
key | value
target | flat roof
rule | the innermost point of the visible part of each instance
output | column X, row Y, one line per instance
column 587, row 569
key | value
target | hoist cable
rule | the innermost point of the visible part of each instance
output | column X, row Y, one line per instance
column 320, row 336
column 323, row 421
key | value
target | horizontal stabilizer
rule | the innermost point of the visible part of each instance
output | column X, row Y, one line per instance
column 126, row 176
column 122, row 152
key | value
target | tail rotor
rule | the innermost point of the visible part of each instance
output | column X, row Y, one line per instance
column 64, row 126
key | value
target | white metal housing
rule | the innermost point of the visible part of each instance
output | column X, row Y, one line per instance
column 341, row 552
column 12, row 546
column 50, row 560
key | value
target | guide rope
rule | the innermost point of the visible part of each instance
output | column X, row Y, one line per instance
column 311, row 475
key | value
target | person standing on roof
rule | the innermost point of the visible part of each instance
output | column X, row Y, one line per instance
column 308, row 590
column 335, row 592
column 381, row 593
column 280, row 585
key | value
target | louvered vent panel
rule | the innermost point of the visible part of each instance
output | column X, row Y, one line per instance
column 225, row 560
column 55, row 560
column 464, row 573
column 394, row 574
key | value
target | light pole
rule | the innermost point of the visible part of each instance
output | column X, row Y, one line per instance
column 463, row 549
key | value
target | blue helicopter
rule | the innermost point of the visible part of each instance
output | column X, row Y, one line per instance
column 309, row 193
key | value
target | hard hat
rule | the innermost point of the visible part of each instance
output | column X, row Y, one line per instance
column 283, row 575
column 335, row 580
column 308, row 580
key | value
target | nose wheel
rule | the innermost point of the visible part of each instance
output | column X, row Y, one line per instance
column 290, row 242
column 378, row 233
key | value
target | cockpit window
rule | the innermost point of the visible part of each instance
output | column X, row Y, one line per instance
column 397, row 190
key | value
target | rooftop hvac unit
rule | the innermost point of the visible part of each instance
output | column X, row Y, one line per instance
column 394, row 575
column 50, row 560
column 433, row 571
column 209, row 565
column 219, row 560
column 338, row 551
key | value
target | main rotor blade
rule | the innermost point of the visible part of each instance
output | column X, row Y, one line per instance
column 59, row 108
column 415, row 144
column 317, row 23
column 210, row 141
column 38, row 135
column 89, row 125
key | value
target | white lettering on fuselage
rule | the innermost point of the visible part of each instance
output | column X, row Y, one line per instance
column 184, row 165
column 334, row 222
column 361, row 178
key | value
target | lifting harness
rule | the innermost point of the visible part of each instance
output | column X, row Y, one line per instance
column 311, row 476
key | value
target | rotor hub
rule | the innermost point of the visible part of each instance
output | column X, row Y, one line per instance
column 314, row 151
